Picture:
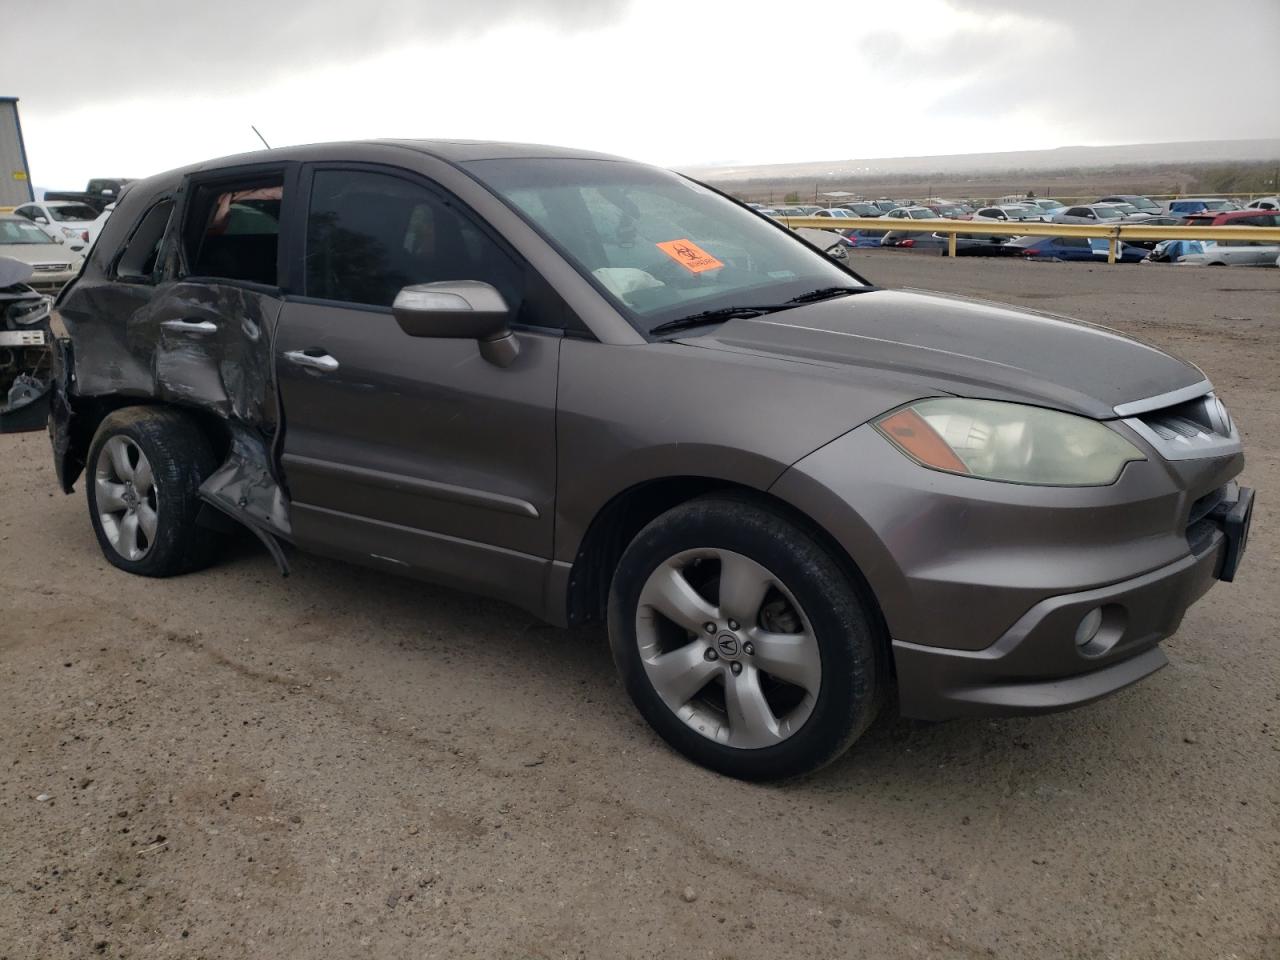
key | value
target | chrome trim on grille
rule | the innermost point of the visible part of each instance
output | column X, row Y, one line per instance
column 1189, row 430
column 1169, row 399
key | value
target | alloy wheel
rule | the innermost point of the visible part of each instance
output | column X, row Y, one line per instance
column 727, row 648
column 126, row 497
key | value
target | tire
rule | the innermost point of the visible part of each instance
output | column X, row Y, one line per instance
column 709, row 707
column 162, row 538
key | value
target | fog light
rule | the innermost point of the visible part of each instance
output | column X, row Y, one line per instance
column 1089, row 627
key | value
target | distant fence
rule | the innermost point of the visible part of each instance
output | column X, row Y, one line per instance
column 1022, row 228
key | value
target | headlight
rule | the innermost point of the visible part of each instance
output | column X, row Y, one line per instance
column 1009, row 442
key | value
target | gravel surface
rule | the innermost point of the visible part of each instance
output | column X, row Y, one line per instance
column 342, row 765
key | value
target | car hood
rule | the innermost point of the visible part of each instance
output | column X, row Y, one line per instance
column 39, row 253
column 944, row 344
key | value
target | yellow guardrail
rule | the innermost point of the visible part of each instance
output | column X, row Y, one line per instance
column 1035, row 228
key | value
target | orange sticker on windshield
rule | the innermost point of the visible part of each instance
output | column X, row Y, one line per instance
column 689, row 255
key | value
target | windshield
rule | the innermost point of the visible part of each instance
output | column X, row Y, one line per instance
column 951, row 211
column 659, row 246
column 22, row 231
column 923, row 215
column 1108, row 213
column 1219, row 205
column 1125, row 207
column 1021, row 213
column 72, row 211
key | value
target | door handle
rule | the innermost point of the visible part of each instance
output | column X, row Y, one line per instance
column 322, row 362
column 201, row 328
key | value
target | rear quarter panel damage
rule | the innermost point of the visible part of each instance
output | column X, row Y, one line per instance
column 202, row 346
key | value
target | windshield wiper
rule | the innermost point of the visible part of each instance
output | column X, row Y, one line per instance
column 746, row 312
column 715, row 316
column 826, row 293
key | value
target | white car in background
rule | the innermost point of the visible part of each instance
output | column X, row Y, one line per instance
column 914, row 212
column 1008, row 212
column 1264, row 203
column 1235, row 253
column 66, row 221
column 52, row 263
column 1046, row 206
column 1095, row 213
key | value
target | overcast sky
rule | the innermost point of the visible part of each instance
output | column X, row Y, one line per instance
column 134, row 87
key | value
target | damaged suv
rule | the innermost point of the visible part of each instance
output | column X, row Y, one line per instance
column 600, row 390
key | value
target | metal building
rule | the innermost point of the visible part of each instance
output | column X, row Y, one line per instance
column 15, row 178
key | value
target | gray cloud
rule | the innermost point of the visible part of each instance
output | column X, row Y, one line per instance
column 112, row 50
column 1122, row 72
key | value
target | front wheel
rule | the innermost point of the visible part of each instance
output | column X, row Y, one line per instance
column 743, row 642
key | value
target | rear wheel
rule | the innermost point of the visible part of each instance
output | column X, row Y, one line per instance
column 742, row 641
column 145, row 467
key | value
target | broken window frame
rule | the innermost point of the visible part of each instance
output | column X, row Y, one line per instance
column 160, row 241
column 201, row 189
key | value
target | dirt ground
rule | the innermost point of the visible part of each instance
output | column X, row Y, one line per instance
column 338, row 765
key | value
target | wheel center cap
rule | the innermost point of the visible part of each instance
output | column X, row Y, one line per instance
column 727, row 646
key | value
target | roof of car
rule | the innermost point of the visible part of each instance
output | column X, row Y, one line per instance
column 1228, row 214
column 452, row 151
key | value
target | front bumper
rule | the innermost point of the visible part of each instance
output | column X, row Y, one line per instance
column 1036, row 667
column 983, row 585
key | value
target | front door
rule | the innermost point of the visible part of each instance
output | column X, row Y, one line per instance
column 416, row 455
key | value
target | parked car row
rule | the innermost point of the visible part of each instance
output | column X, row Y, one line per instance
column 1116, row 207
column 1111, row 210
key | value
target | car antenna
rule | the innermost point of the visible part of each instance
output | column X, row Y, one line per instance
column 260, row 136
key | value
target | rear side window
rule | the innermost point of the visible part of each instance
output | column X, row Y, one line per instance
column 137, row 262
column 371, row 234
column 232, row 231
column 68, row 212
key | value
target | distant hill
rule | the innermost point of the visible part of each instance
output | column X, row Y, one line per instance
column 1060, row 158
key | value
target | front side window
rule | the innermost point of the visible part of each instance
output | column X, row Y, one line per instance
column 371, row 234
column 233, row 230
column 659, row 246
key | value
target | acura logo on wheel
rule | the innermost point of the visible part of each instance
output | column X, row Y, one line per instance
column 727, row 645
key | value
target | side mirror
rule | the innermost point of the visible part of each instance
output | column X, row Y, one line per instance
column 461, row 310
column 42, row 220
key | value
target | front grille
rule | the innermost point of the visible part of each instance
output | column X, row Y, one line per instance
column 1196, row 428
column 46, row 286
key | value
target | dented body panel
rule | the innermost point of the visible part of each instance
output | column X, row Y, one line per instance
column 202, row 345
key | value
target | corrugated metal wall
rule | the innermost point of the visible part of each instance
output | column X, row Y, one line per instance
column 15, row 179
